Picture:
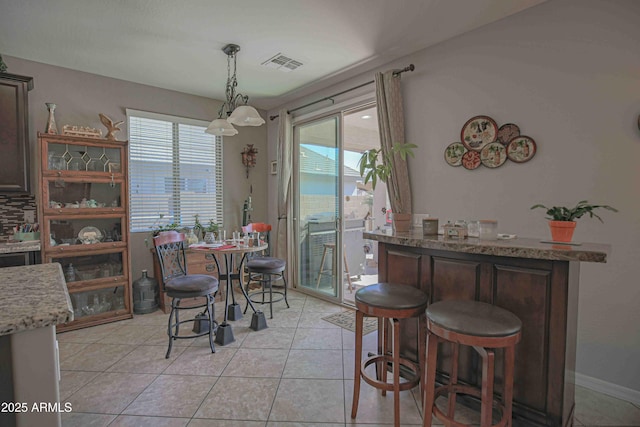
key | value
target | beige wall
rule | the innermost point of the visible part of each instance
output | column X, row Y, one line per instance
column 567, row 72
column 81, row 96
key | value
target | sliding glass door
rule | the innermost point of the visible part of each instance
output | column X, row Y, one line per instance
column 332, row 205
column 317, row 205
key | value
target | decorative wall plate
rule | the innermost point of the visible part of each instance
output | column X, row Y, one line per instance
column 471, row 160
column 478, row 131
column 493, row 155
column 507, row 132
column 521, row 149
column 453, row 153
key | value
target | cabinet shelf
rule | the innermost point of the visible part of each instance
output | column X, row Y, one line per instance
column 83, row 211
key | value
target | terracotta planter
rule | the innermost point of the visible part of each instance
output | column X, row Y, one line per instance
column 562, row 231
column 401, row 222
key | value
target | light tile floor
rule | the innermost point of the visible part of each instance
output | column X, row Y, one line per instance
column 298, row 372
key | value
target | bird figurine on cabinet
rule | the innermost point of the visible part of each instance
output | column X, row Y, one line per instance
column 110, row 125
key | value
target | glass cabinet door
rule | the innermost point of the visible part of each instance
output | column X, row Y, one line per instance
column 94, row 302
column 100, row 268
column 72, row 194
column 84, row 232
column 73, row 157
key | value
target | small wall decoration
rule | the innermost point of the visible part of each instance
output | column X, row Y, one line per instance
column 454, row 152
column 249, row 157
column 471, row 160
column 521, row 149
column 483, row 143
column 493, row 155
column 478, row 132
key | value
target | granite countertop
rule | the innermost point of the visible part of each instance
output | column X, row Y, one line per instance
column 28, row 246
column 518, row 247
column 33, row 296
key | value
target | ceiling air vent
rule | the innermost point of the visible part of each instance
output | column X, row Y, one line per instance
column 282, row 63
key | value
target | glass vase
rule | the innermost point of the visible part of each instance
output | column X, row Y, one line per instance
column 51, row 121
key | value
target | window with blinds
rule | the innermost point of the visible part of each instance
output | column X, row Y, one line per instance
column 175, row 171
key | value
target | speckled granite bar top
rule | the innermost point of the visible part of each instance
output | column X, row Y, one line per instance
column 517, row 248
column 29, row 246
column 33, row 296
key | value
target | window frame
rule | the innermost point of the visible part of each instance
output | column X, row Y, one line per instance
column 176, row 179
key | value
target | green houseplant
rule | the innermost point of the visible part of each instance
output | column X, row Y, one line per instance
column 562, row 219
column 210, row 231
column 376, row 166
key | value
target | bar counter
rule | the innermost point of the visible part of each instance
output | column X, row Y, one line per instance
column 517, row 247
column 538, row 282
column 34, row 300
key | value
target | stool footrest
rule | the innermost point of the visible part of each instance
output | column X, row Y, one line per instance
column 468, row 390
column 258, row 293
column 385, row 358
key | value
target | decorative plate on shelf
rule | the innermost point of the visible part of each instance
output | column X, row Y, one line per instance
column 478, row 132
column 507, row 132
column 493, row 155
column 471, row 160
column 453, row 153
column 89, row 235
column 521, row 149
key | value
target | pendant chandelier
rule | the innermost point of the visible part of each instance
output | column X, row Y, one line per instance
column 234, row 111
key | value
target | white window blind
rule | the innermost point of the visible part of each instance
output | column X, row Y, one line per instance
column 175, row 171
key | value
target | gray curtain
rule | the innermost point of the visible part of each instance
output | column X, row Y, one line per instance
column 284, row 227
column 391, row 127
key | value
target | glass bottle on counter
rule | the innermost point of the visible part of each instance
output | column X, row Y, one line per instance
column 70, row 273
column 192, row 239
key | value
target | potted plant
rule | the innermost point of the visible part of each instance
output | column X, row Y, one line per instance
column 167, row 227
column 198, row 228
column 562, row 219
column 210, row 232
column 376, row 166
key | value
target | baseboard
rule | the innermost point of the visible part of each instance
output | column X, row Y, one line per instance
column 610, row 389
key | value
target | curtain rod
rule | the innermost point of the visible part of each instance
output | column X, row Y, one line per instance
column 410, row 67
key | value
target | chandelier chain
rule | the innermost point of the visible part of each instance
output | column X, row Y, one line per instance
column 233, row 98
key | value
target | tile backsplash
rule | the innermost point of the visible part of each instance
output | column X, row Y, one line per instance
column 12, row 212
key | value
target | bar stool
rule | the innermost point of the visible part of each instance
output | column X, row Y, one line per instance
column 392, row 302
column 264, row 270
column 484, row 327
column 178, row 284
column 332, row 272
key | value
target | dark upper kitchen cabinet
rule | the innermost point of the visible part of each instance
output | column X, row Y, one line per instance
column 14, row 133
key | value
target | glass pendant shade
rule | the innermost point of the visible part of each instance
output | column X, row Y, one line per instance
column 245, row 115
column 235, row 107
column 221, row 127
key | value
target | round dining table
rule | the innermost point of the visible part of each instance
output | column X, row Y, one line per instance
column 233, row 311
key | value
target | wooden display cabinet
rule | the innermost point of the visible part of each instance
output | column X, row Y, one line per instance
column 84, row 224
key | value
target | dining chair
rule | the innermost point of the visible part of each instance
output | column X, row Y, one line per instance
column 265, row 269
column 178, row 284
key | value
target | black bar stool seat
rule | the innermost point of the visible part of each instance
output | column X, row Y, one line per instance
column 192, row 285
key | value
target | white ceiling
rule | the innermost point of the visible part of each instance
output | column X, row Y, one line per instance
column 176, row 44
